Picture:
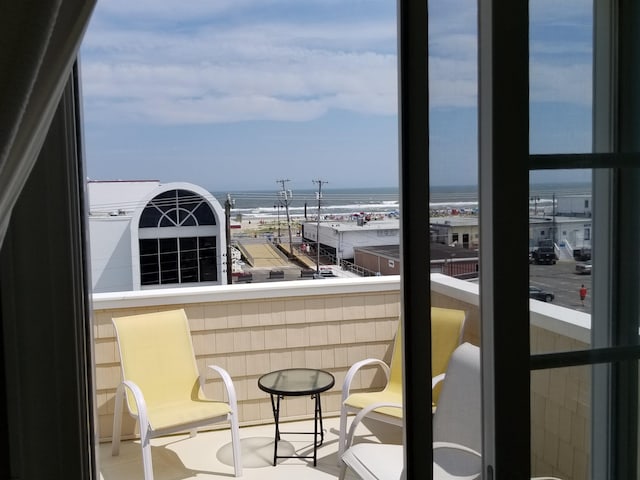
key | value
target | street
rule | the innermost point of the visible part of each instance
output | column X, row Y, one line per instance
column 561, row 280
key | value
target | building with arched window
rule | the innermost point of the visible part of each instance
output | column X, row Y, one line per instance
column 144, row 234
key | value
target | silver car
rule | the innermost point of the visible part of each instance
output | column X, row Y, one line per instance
column 583, row 268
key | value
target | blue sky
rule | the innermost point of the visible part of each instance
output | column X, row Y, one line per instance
column 236, row 94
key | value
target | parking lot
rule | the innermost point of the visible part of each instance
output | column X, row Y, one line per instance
column 561, row 280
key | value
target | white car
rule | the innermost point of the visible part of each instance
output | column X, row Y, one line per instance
column 583, row 268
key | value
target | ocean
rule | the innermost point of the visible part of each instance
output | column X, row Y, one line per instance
column 336, row 203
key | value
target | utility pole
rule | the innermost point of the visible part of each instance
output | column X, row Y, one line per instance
column 227, row 215
column 286, row 196
column 319, row 195
column 277, row 205
column 553, row 210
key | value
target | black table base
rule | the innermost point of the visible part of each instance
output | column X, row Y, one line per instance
column 318, row 430
column 297, row 382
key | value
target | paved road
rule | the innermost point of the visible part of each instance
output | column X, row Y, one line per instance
column 563, row 282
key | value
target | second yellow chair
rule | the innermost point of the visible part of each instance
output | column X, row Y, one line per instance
column 447, row 327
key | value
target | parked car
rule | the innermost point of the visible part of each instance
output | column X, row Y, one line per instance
column 543, row 255
column 583, row 268
column 539, row 294
column 582, row 254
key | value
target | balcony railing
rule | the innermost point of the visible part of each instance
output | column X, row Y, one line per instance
column 330, row 324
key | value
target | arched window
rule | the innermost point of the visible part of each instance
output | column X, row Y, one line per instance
column 177, row 240
column 177, row 208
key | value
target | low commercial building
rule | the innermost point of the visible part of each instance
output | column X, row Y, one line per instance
column 385, row 260
column 567, row 233
column 456, row 230
column 341, row 238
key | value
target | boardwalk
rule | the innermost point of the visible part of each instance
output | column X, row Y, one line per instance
column 265, row 255
column 303, row 259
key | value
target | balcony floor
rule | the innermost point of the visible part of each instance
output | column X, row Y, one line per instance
column 208, row 454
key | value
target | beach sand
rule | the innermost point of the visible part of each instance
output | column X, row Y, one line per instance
column 253, row 226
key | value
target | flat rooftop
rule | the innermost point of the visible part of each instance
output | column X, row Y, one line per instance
column 455, row 221
column 347, row 226
column 439, row 251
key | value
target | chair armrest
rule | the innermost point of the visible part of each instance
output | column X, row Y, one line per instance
column 456, row 446
column 363, row 413
column 437, row 379
column 228, row 385
column 449, row 457
column 141, row 406
column 346, row 385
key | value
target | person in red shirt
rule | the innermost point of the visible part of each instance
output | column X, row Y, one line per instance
column 583, row 294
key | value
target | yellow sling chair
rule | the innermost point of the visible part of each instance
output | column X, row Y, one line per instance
column 162, row 386
column 447, row 327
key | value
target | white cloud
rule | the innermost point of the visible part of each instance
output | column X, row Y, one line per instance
column 561, row 83
column 220, row 70
column 564, row 12
column 278, row 71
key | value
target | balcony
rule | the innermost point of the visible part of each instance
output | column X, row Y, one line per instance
column 208, row 455
column 330, row 324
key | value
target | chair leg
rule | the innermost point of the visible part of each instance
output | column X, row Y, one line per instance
column 343, row 471
column 117, row 422
column 342, row 440
column 235, row 444
column 146, row 457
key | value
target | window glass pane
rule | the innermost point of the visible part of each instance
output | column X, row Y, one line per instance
column 188, row 200
column 165, row 200
column 150, row 217
column 168, row 260
column 186, row 218
column 561, row 422
column 188, row 260
column 560, row 76
column 453, row 156
column 207, row 258
column 454, row 230
column 149, row 262
column 205, row 215
column 560, row 255
column 170, row 219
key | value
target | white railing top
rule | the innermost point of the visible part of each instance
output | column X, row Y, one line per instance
column 248, row 291
column 561, row 320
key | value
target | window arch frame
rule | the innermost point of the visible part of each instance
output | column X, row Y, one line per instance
column 216, row 229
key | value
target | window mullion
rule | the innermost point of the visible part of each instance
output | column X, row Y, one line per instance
column 503, row 186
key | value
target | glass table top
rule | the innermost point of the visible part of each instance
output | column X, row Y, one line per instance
column 296, row 381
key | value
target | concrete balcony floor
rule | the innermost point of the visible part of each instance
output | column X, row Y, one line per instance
column 208, row 454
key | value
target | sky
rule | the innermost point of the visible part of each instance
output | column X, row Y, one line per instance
column 238, row 94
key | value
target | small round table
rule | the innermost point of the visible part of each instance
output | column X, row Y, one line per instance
column 296, row 382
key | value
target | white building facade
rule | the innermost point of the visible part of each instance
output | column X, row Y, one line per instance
column 456, row 231
column 574, row 206
column 144, row 234
column 343, row 237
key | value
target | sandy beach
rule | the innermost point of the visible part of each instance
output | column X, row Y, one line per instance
column 262, row 227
